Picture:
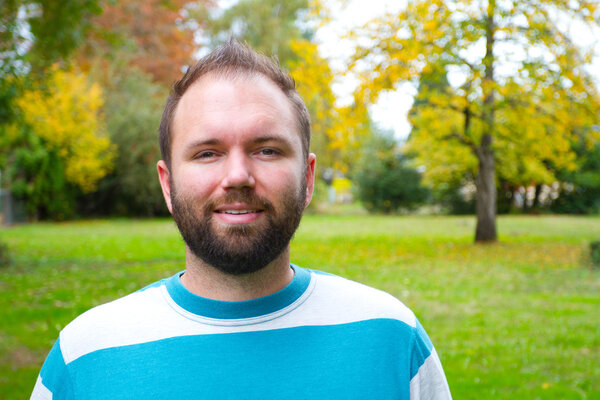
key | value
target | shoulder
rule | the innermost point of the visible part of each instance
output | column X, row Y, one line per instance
column 355, row 301
column 112, row 323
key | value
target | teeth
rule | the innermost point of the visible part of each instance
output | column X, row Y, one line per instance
column 237, row 211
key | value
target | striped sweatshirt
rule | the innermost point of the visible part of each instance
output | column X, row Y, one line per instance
column 321, row 337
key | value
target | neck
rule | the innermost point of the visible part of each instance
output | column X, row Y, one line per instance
column 205, row 280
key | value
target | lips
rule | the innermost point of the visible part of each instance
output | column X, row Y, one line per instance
column 238, row 213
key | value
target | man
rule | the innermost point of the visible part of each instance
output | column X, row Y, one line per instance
column 241, row 322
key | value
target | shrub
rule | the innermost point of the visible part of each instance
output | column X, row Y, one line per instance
column 386, row 181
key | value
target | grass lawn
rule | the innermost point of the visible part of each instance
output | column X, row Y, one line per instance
column 515, row 320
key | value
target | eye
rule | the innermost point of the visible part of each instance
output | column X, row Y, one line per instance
column 269, row 152
column 205, row 155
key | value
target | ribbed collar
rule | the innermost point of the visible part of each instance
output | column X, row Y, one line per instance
column 210, row 308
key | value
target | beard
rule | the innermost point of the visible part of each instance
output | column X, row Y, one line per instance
column 238, row 249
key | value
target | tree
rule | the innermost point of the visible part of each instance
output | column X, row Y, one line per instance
column 59, row 144
column 33, row 36
column 36, row 34
column 135, row 50
column 269, row 26
column 150, row 35
column 523, row 91
column 132, row 111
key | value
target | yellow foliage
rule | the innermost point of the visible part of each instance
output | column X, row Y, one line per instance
column 335, row 130
column 342, row 185
column 533, row 116
column 65, row 114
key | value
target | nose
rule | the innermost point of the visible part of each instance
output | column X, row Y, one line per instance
column 238, row 172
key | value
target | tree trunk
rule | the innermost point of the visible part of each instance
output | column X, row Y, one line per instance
column 536, row 205
column 486, row 178
column 486, row 192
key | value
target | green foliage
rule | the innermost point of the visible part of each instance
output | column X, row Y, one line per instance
column 8, row 92
column 38, row 33
column 469, row 298
column 59, row 27
column 35, row 174
column 595, row 252
column 269, row 26
column 453, row 200
column 580, row 192
column 132, row 111
column 386, row 181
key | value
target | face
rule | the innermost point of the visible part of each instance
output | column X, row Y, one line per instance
column 238, row 181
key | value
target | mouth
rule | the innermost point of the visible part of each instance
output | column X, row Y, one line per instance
column 238, row 214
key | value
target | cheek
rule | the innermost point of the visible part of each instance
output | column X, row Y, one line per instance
column 196, row 184
column 278, row 179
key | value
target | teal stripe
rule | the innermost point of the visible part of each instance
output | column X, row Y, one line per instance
column 422, row 348
column 239, row 309
column 55, row 375
column 367, row 359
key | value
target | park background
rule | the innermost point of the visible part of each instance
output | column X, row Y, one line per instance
column 482, row 217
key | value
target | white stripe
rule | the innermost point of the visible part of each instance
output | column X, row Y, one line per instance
column 430, row 382
column 40, row 392
column 145, row 316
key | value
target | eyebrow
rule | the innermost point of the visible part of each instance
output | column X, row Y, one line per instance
column 265, row 139
column 199, row 143
column 258, row 140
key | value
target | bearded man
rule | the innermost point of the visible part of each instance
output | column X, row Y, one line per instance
column 241, row 322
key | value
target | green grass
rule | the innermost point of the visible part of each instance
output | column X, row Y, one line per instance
column 515, row 320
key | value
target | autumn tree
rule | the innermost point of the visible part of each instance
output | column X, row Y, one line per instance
column 33, row 36
column 136, row 50
column 520, row 88
column 150, row 35
column 59, row 146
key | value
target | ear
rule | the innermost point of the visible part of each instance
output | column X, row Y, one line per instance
column 165, row 183
column 310, row 178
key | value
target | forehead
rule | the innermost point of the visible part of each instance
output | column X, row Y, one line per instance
column 232, row 102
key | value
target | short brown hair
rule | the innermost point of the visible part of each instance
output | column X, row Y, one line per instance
column 230, row 60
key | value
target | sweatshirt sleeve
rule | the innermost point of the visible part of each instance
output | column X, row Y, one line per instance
column 54, row 381
column 428, row 381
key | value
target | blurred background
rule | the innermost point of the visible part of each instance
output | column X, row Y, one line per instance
column 438, row 125
column 436, row 106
